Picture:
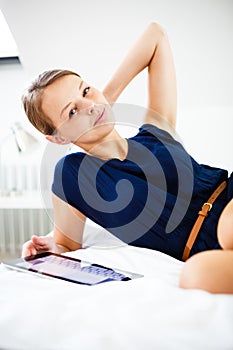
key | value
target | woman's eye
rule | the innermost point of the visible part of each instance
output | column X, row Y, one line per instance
column 72, row 112
column 85, row 91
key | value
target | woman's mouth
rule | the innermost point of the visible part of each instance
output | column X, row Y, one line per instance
column 100, row 117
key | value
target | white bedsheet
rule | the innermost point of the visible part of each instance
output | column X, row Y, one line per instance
column 146, row 313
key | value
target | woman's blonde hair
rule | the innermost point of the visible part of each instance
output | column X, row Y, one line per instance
column 32, row 99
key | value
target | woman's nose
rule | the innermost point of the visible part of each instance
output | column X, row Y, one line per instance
column 86, row 105
column 91, row 108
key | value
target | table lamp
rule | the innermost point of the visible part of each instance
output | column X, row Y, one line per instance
column 25, row 142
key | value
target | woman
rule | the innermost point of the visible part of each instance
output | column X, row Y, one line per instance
column 160, row 211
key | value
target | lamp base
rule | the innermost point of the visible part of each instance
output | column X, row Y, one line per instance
column 10, row 193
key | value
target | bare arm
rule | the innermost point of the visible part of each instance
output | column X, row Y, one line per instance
column 69, row 225
column 67, row 233
column 152, row 51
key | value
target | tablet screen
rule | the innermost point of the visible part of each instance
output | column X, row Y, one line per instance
column 70, row 269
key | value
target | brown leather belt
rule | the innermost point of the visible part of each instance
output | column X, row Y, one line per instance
column 202, row 214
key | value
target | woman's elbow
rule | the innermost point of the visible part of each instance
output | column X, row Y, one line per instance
column 157, row 28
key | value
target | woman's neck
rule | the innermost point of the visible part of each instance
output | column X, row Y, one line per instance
column 112, row 146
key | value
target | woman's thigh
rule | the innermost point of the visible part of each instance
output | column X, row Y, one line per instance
column 225, row 227
column 211, row 271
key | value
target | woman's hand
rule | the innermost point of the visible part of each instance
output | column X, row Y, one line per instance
column 40, row 244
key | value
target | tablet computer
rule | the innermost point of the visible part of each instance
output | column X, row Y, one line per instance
column 69, row 269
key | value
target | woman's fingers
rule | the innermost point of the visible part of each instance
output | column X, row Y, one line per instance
column 28, row 249
column 41, row 242
column 36, row 245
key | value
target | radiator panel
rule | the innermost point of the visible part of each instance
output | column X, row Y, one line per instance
column 22, row 209
column 18, row 225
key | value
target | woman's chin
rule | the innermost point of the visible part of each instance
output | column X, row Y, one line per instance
column 95, row 135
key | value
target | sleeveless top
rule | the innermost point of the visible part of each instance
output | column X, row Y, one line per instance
column 151, row 199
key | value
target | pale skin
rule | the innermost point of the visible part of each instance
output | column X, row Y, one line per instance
column 70, row 95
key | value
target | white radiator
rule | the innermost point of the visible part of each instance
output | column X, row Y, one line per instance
column 18, row 225
column 23, row 215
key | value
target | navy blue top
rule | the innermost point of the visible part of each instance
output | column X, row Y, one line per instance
column 152, row 198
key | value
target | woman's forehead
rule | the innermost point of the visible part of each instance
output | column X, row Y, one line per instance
column 67, row 81
column 62, row 88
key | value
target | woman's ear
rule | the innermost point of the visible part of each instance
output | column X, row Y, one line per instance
column 50, row 138
column 60, row 140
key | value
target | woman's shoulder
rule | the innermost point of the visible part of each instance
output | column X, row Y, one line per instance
column 151, row 131
column 69, row 160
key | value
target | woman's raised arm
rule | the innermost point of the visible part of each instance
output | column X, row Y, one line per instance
column 152, row 50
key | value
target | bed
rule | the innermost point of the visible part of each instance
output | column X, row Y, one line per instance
column 146, row 313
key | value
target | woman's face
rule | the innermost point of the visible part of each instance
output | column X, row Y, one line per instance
column 80, row 113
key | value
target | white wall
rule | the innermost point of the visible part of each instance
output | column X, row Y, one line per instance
column 93, row 36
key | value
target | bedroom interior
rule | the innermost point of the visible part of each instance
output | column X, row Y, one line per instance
column 91, row 38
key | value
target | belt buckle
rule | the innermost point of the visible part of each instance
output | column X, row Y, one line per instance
column 209, row 204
